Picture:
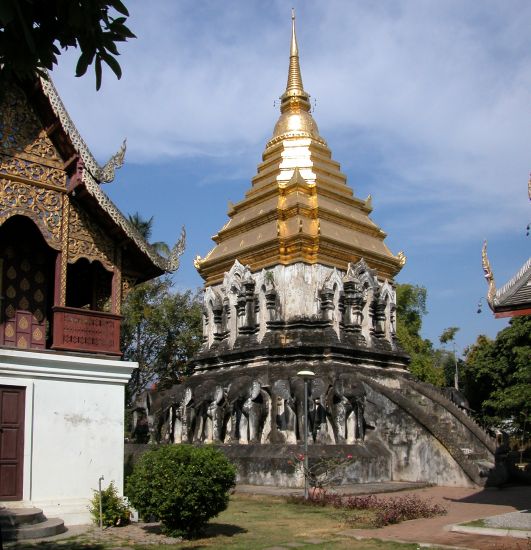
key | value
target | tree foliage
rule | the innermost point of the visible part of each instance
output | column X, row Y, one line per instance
column 161, row 330
column 497, row 374
column 145, row 228
column 33, row 32
column 448, row 335
column 411, row 308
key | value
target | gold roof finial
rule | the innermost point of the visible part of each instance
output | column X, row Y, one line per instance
column 294, row 94
column 294, row 48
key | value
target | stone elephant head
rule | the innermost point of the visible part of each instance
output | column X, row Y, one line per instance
column 345, row 404
column 208, row 405
column 248, row 407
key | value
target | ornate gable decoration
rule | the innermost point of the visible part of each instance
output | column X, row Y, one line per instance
column 87, row 240
column 93, row 174
column 26, row 151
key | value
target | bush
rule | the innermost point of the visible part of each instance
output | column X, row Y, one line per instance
column 182, row 486
column 114, row 510
column 387, row 510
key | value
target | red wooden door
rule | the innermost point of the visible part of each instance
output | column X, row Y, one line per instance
column 12, row 401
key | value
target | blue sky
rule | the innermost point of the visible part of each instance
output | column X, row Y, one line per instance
column 425, row 104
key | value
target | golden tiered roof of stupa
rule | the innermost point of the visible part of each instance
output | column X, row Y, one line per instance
column 299, row 208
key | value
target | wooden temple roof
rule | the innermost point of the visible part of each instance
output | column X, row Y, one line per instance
column 86, row 177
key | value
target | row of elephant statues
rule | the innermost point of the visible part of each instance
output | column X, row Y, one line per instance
column 245, row 410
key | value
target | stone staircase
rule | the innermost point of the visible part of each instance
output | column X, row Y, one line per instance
column 28, row 523
column 414, row 398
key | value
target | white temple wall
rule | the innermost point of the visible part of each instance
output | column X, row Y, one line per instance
column 74, row 428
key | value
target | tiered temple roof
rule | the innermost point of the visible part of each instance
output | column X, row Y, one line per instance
column 299, row 208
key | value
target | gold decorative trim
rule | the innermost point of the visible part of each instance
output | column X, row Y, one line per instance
column 64, row 251
column 43, row 206
column 87, row 240
column 402, row 258
column 32, row 171
column 117, row 284
column 128, row 284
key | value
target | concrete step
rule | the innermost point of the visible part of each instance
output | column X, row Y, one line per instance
column 47, row 528
column 10, row 517
column 28, row 523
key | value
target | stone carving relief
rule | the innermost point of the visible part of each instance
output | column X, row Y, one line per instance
column 360, row 308
column 87, row 240
column 245, row 411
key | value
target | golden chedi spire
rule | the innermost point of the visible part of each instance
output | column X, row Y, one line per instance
column 294, row 87
column 299, row 208
column 295, row 118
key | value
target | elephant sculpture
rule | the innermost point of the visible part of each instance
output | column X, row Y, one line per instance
column 318, row 423
column 152, row 414
column 284, row 413
column 288, row 410
column 248, row 411
column 208, row 405
column 182, row 416
column 345, row 403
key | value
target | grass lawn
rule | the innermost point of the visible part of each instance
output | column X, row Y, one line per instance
column 253, row 522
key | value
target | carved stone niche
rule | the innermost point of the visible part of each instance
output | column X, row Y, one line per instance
column 326, row 296
column 271, row 299
column 381, row 307
column 246, row 309
column 213, row 327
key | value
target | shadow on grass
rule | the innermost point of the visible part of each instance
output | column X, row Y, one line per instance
column 51, row 545
column 211, row 530
column 222, row 529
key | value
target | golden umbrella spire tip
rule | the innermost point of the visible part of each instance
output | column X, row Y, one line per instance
column 294, row 86
column 294, row 48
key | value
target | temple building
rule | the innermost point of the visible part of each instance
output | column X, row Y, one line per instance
column 300, row 279
column 68, row 257
column 514, row 297
column 298, row 231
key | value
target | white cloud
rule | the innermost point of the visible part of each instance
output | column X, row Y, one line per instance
column 440, row 90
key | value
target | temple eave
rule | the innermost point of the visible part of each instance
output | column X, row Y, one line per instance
column 302, row 248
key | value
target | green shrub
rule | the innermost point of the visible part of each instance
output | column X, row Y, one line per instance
column 114, row 510
column 182, row 486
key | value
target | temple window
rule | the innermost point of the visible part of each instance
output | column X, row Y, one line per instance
column 89, row 286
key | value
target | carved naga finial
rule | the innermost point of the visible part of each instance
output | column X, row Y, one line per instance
column 197, row 261
column 402, row 258
column 488, row 275
column 105, row 173
column 176, row 252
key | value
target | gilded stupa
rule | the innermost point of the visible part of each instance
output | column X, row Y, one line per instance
column 300, row 279
column 299, row 208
